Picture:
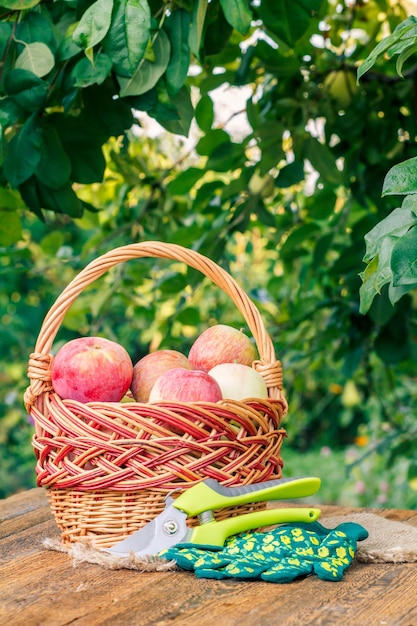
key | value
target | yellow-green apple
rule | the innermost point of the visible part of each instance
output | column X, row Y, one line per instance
column 238, row 381
column 221, row 344
column 150, row 367
column 182, row 385
column 91, row 369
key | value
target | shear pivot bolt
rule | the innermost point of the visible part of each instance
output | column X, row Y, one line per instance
column 170, row 527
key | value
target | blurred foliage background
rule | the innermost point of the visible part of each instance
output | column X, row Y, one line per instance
column 238, row 129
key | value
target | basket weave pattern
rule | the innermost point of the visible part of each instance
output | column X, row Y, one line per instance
column 109, row 466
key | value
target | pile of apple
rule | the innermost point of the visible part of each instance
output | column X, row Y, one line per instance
column 218, row 366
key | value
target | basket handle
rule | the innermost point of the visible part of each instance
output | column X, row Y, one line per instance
column 40, row 360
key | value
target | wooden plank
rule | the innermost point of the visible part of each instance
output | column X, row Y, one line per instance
column 41, row 587
column 93, row 596
column 21, row 503
column 23, row 510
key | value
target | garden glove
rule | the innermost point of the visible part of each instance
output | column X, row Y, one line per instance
column 280, row 555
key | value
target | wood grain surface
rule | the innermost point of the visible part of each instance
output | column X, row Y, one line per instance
column 39, row 587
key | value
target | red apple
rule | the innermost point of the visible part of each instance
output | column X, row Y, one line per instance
column 91, row 369
column 238, row 381
column 182, row 385
column 221, row 344
column 149, row 368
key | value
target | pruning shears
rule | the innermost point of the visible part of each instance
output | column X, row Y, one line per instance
column 170, row 528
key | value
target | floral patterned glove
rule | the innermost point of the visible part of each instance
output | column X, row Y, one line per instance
column 280, row 555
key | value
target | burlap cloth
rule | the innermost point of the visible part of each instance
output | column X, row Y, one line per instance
column 388, row 542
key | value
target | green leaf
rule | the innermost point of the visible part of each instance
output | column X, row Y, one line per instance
column 401, row 46
column 190, row 316
column 67, row 48
column 148, row 73
column 10, row 228
column 138, row 26
column 177, row 26
column 297, row 236
column 9, row 200
column 29, row 192
column 171, row 283
column 263, row 214
column 290, row 174
column 106, row 115
column 269, row 137
column 217, row 33
column 82, row 144
column 274, row 61
column 5, row 33
column 396, row 232
column 382, row 310
column 52, row 242
column 396, row 293
column 371, row 268
column 197, row 24
column 184, row 114
column 289, row 19
column 401, row 179
column 404, row 259
column 323, row 160
column 227, row 156
column 19, row 80
column 404, row 56
column 94, row 24
column 54, row 167
column 212, row 140
column 392, row 343
column 244, row 71
column 85, row 73
column 396, row 224
column 206, row 193
column 23, row 153
column 87, row 162
column 235, row 188
column 367, row 294
column 27, row 90
column 321, row 249
column 204, row 113
column 238, row 14
column 377, row 274
column 37, row 26
column 185, row 181
column 408, row 28
column 156, row 102
column 19, row 5
column 127, row 39
column 37, row 58
column 322, row 204
column 9, row 112
column 62, row 200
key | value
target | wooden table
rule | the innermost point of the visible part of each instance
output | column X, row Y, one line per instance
column 41, row 587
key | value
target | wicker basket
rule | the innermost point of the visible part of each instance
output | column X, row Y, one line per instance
column 108, row 467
